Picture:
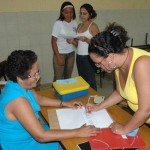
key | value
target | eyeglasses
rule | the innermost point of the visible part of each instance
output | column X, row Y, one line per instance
column 98, row 65
column 36, row 76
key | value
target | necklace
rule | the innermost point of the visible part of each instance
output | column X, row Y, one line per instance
column 125, row 59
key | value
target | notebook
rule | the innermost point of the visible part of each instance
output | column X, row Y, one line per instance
column 106, row 139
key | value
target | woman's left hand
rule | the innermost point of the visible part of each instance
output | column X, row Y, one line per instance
column 75, row 104
column 82, row 38
column 70, row 41
column 117, row 128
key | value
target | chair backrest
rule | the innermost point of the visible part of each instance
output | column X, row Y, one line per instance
column 3, row 70
column 2, row 74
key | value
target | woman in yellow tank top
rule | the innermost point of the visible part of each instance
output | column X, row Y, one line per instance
column 108, row 50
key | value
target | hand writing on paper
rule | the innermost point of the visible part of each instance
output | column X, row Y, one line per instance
column 91, row 107
column 86, row 131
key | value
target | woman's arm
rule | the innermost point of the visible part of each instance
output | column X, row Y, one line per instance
column 141, row 77
column 111, row 100
column 94, row 29
column 56, row 52
column 46, row 101
column 73, row 41
column 25, row 115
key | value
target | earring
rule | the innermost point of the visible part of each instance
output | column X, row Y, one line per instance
column 110, row 62
column 115, row 67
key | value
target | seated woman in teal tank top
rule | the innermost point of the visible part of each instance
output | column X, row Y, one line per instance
column 20, row 105
column 109, row 51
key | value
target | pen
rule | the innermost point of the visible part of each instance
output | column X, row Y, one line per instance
column 90, row 96
column 86, row 109
column 89, row 99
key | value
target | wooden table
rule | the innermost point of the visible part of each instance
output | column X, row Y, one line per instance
column 118, row 115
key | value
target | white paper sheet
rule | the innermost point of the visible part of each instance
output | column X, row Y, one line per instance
column 74, row 118
column 70, row 118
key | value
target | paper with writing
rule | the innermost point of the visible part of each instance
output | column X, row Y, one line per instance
column 69, row 118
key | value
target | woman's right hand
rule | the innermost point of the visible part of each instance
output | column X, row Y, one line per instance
column 86, row 131
column 70, row 41
column 61, row 61
column 82, row 38
column 91, row 107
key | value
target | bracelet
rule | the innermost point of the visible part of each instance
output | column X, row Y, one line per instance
column 61, row 104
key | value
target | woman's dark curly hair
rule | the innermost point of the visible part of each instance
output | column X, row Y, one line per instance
column 90, row 10
column 19, row 64
column 112, row 40
column 61, row 17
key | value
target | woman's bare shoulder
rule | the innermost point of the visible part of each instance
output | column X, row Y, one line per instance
column 94, row 29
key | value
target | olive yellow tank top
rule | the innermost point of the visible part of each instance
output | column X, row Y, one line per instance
column 129, row 92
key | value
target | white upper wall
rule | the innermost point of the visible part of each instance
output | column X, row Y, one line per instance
column 27, row 24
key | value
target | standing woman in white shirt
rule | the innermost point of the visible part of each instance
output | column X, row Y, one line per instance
column 63, row 33
column 85, row 31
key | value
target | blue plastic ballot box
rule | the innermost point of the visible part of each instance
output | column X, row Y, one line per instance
column 71, row 88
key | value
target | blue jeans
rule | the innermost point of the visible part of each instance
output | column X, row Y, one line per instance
column 86, row 70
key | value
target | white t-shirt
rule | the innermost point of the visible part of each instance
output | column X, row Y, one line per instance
column 63, row 30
